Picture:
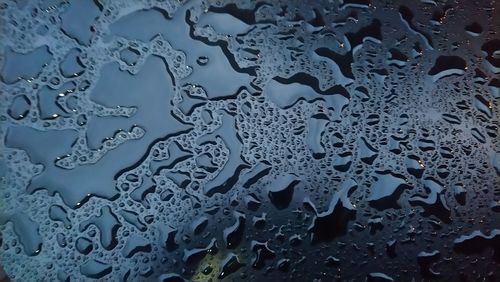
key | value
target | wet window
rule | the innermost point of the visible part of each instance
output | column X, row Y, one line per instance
column 350, row 140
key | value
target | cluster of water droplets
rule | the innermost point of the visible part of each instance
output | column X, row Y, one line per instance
column 246, row 140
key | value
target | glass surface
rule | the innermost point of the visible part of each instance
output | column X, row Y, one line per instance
column 349, row 140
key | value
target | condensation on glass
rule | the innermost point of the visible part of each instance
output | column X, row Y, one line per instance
column 250, row 140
